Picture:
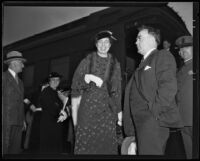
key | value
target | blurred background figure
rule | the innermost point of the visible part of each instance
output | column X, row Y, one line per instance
column 166, row 45
column 172, row 48
column 13, row 107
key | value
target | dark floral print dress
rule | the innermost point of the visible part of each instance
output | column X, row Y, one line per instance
column 96, row 124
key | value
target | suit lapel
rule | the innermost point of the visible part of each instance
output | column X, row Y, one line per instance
column 21, row 89
column 13, row 81
column 136, row 76
column 146, row 61
column 140, row 69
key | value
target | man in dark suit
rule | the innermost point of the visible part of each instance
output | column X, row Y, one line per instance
column 185, row 91
column 149, row 106
column 13, row 109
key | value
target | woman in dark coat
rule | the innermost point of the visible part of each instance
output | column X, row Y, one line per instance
column 96, row 88
column 51, row 130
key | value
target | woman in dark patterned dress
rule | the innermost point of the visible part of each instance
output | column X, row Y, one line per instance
column 96, row 100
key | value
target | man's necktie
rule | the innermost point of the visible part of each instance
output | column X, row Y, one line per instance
column 16, row 78
column 142, row 60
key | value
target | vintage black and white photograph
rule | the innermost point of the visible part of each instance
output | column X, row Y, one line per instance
column 100, row 80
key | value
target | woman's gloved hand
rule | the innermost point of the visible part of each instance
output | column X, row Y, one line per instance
column 90, row 77
column 63, row 116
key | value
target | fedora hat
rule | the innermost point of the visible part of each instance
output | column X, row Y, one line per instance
column 126, row 143
column 184, row 41
column 14, row 55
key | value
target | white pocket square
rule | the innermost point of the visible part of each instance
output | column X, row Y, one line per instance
column 147, row 67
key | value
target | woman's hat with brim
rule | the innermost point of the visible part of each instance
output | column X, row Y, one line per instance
column 54, row 75
column 14, row 55
column 104, row 34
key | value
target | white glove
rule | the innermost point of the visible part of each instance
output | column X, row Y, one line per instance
column 119, row 122
column 132, row 149
column 96, row 80
column 27, row 101
column 63, row 116
column 33, row 108
column 90, row 77
column 87, row 78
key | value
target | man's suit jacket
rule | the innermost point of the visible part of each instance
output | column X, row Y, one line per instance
column 156, row 81
column 13, row 107
column 185, row 93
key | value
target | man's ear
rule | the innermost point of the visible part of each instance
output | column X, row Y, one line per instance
column 152, row 39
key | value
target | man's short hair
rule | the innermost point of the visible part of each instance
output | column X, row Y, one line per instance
column 152, row 31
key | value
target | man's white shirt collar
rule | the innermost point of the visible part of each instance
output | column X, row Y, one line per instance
column 148, row 53
column 12, row 72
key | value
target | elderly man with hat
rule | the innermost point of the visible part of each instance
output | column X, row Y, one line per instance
column 185, row 90
column 13, row 107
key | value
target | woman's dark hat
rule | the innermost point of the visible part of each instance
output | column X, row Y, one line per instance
column 14, row 55
column 54, row 75
column 104, row 34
